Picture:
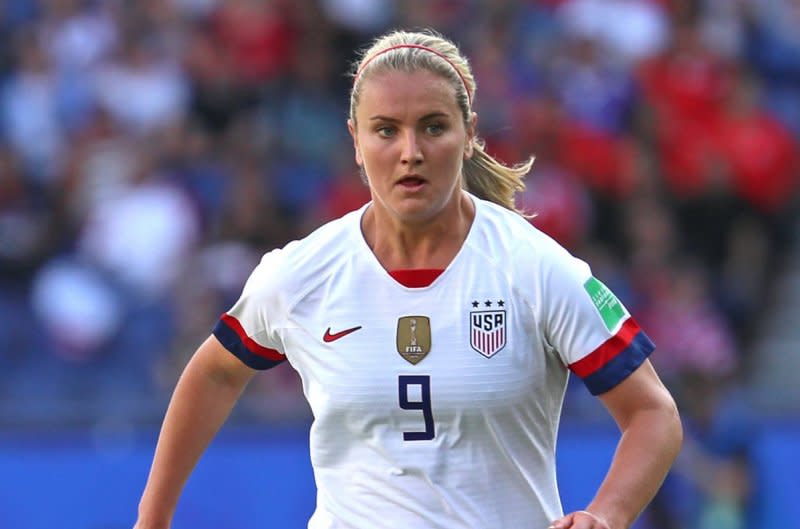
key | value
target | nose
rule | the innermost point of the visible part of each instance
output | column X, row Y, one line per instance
column 411, row 153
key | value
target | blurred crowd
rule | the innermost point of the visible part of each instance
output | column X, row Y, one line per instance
column 152, row 151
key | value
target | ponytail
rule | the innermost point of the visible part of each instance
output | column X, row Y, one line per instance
column 491, row 180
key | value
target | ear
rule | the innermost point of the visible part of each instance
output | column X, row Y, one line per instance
column 472, row 128
column 351, row 127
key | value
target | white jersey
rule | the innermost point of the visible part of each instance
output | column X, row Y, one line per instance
column 435, row 406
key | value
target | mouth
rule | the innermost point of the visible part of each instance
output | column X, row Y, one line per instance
column 411, row 182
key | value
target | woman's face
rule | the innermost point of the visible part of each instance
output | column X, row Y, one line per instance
column 411, row 141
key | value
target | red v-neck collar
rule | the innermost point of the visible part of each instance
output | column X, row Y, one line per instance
column 416, row 277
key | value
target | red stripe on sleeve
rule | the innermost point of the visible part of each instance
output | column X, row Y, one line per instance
column 252, row 346
column 607, row 351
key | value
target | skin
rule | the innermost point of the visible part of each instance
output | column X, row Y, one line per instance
column 410, row 124
column 651, row 439
column 207, row 390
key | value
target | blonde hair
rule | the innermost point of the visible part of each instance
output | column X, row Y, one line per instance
column 483, row 175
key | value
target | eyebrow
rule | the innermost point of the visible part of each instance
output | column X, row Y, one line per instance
column 423, row 118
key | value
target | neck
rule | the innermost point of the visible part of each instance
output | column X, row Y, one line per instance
column 432, row 244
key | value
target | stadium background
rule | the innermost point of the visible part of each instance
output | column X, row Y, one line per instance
column 151, row 151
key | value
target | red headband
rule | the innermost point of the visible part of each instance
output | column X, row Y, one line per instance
column 419, row 47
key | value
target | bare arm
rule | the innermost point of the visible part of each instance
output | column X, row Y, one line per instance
column 651, row 439
column 204, row 396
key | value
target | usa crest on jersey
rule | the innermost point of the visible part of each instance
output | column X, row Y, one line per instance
column 487, row 331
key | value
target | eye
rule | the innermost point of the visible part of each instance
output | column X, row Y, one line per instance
column 435, row 129
column 386, row 131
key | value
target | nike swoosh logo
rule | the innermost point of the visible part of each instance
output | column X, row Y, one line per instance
column 328, row 337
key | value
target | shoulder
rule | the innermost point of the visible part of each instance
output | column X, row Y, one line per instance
column 506, row 235
column 537, row 266
column 309, row 260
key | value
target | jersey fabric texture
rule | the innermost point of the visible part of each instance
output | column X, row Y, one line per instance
column 439, row 406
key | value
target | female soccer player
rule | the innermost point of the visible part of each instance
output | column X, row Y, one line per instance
column 433, row 330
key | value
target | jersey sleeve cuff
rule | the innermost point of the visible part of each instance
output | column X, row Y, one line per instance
column 232, row 336
column 615, row 360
